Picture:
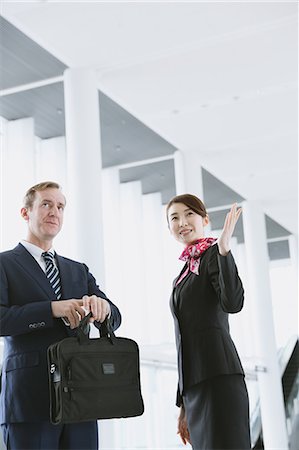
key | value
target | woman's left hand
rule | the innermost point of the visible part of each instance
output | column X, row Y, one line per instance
column 228, row 229
column 183, row 427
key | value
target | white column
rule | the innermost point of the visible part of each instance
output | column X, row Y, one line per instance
column 51, row 166
column 293, row 246
column 111, row 228
column 240, row 324
column 157, row 289
column 284, row 284
column 193, row 174
column 179, row 172
column 84, row 165
column 17, row 175
column 131, row 263
column 51, row 160
column 188, row 177
column 270, row 387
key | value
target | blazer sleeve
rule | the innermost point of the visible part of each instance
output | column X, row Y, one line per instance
column 20, row 319
column 179, row 399
column 93, row 289
column 224, row 277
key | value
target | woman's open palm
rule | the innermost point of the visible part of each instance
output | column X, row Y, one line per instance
column 228, row 229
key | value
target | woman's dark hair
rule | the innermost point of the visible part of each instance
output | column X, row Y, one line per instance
column 189, row 200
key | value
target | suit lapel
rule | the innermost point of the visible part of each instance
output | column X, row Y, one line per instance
column 29, row 265
column 174, row 299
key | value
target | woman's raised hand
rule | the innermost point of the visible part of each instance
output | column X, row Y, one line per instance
column 228, row 229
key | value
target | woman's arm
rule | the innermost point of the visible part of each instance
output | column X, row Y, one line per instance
column 223, row 270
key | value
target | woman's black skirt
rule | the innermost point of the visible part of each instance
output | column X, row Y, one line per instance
column 217, row 413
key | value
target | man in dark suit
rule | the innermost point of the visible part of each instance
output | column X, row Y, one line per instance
column 36, row 311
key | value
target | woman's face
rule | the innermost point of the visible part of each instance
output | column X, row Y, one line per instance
column 184, row 224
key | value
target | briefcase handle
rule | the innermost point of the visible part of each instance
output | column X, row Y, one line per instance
column 105, row 330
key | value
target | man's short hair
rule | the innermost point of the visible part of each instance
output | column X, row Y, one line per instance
column 31, row 193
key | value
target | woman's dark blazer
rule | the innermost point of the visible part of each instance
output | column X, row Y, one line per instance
column 200, row 305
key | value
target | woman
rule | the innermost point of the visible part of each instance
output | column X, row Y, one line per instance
column 212, row 393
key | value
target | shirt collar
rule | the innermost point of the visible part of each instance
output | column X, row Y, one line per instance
column 34, row 250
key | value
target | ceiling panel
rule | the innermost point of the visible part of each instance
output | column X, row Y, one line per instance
column 274, row 230
column 154, row 177
column 217, row 193
column 45, row 104
column 279, row 250
column 23, row 60
column 125, row 139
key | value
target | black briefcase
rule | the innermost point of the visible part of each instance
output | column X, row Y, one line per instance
column 93, row 379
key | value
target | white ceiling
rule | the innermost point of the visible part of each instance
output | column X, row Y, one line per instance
column 218, row 80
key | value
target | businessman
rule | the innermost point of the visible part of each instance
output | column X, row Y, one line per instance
column 43, row 298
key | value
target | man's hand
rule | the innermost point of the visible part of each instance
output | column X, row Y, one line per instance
column 183, row 427
column 99, row 307
column 69, row 309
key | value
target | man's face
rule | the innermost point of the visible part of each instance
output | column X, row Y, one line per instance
column 45, row 217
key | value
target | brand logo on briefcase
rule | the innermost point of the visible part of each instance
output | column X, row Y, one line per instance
column 108, row 368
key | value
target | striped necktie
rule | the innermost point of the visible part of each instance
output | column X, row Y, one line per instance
column 52, row 273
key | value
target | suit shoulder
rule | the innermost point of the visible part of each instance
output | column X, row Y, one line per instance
column 71, row 261
column 6, row 254
column 211, row 252
column 209, row 258
column 68, row 260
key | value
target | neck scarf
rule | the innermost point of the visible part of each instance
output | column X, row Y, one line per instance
column 192, row 254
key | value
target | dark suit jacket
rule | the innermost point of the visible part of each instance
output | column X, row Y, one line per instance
column 200, row 305
column 28, row 327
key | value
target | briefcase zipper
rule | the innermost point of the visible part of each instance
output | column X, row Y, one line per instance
column 69, row 390
column 93, row 387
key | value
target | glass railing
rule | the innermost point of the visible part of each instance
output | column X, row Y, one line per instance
column 292, row 408
column 292, row 405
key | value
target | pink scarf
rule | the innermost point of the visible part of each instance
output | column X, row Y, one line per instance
column 192, row 254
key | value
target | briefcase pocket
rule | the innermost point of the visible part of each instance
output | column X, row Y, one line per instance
column 103, row 370
column 89, row 402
